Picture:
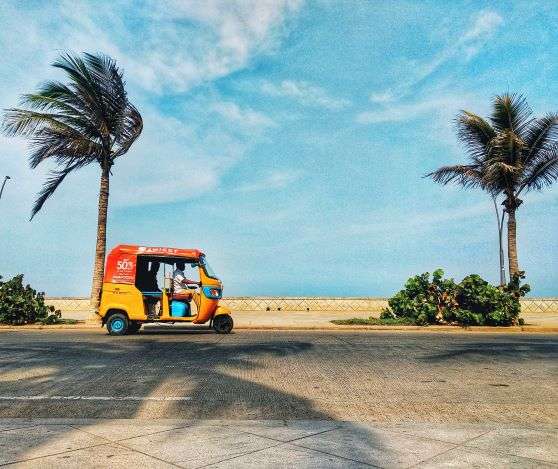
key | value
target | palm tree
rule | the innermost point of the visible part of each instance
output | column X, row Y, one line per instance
column 88, row 120
column 509, row 153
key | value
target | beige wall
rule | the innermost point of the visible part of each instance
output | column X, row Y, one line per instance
column 255, row 303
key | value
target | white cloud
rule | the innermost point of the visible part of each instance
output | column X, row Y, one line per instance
column 174, row 45
column 382, row 97
column 486, row 22
column 303, row 92
column 470, row 42
column 439, row 101
column 446, row 105
column 273, row 181
column 242, row 116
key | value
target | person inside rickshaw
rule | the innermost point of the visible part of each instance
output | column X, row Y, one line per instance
column 181, row 282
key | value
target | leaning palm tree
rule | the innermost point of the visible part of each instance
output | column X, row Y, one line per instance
column 87, row 120
column 510, row 153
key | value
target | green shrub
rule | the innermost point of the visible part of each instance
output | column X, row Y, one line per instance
column 484, row 304
column 23, row 305
column 423, row 300
column 473, row 302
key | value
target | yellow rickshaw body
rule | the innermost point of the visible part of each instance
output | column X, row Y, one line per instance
column 120, row 292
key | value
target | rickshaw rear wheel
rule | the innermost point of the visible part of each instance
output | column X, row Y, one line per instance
column 117, row 324
column 223, row 324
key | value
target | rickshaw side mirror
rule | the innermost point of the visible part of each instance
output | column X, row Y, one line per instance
column 168, row 283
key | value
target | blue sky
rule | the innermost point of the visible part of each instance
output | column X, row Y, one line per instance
column 287, row 139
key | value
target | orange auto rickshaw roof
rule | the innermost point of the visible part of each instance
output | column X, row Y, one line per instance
column 136, row 250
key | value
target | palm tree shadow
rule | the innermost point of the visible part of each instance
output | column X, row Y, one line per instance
column 503, row 351
column 214, row 372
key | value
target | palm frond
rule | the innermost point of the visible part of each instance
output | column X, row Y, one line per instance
column 500, row 177
column 475, row 133
column 84, row 85
column 62, row 145
column 544, row 172
column 54, row 180
column 541, row 135
column 67, row 94
column 113, row 96
column 25, row 123
column 511, row 112
column 131, row 129
column 80, row 75
column 508, row 148
column 464, row 175
column 42, row 102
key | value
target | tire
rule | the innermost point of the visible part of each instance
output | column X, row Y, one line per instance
column 134, row 327
column 118, row 324
column 223, row 324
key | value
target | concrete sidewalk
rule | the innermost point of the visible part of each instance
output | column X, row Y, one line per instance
column 45, row 443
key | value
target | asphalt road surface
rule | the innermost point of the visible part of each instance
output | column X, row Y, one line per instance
column 386, row 377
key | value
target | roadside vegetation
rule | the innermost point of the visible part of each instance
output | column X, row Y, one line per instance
column 20, row 304
column 427, row 299
column 372, row 321
column 88, row 120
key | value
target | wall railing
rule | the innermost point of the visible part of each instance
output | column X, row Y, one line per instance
column 276, row 303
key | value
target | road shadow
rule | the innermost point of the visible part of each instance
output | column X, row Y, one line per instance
column 175, row 330
column 500, row 349
column 217, row 374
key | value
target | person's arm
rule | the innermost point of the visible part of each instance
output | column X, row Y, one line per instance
column 187, row 281
column 182, row 280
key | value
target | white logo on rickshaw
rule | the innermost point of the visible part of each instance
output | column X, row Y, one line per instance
column 143, row 249
column 124, row 264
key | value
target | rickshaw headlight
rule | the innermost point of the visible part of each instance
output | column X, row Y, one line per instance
column 213, row 293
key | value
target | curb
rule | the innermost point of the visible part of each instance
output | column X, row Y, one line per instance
column 454, row 329
column 34, row 327
column 474, row 329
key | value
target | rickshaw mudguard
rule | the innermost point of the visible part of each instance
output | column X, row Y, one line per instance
column 222, row 310
column 206, row 315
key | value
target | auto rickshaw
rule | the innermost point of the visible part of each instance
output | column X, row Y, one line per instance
column 130, row 298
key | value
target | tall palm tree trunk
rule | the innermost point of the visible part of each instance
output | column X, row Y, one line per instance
column 99, row 267
column 512, row 242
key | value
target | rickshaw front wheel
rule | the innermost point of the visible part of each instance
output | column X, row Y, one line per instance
column 223, row 324
column 117, row 324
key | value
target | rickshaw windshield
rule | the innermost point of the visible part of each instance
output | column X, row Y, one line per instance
column 207, row 268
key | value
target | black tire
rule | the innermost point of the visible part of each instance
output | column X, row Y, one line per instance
column 134, row 327
column 118, row 324
column 223, row 324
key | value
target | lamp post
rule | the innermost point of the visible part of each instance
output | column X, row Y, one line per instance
column 3, row 184
column 500, row 230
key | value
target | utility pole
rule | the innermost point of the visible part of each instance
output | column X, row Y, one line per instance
column 3, row 184
column 500, row 230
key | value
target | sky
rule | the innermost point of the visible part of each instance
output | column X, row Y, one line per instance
column 287, row 139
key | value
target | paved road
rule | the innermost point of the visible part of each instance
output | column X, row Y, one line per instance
column 277, row 399
column 379, row 377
